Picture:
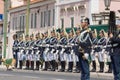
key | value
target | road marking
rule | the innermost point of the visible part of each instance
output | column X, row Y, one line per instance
column 30, row 77
column 9, row 75
column 58, row 79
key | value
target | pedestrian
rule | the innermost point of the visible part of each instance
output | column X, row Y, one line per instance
column 15, row 49
column 115, row 52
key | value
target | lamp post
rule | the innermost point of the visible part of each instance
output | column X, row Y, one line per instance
column 107, row 4
column 5, row 26
column 27, row 17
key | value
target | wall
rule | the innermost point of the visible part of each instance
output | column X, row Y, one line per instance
column 1, row 7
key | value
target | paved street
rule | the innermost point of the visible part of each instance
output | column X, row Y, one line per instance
column 47, row 75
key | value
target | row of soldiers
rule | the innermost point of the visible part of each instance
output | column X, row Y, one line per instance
column 55, row 50
column 48, row 49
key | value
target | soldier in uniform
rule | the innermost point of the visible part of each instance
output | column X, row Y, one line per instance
column 115, row 51
column 108, row 59
column 93, row 51
column 85, row 44
column 37, row 50
column 70, row 51
column 15, row 49
column 31, row 51
column 26, row 45
column 21, row 51
column 45, row 45
column 53, row 41
column 75, row 48
column 62, row 42
column 101, row 50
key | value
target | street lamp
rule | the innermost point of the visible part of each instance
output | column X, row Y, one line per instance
column 107, row 4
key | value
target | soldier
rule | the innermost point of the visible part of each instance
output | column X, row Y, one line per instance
column 53, row 42
column 108, row 59
column 75, row 48
column 15, row 49
column 93, row 51
column 101, row 50
column 37, row 51
column 62, row 42
column 69, row 51
column 45, row 45
column 21, row 51
column 115, row 51
column 85, row 44
column 26, row 45
column 31, row 51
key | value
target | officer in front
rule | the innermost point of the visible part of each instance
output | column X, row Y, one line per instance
column 115, row 52
column 85, row 43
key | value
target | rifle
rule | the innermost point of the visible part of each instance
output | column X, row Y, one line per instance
column 112, row 26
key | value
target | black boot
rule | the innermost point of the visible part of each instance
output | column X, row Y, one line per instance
column 20, row 64
column 37, row 65
column 70, row 67
column 101, row 67
column 32, row 65
column 62, row 66
column 27, row 64
column 94, row 66
column 109, row 68
column 53, row 65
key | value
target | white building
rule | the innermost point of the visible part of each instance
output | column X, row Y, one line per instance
column 46, row 14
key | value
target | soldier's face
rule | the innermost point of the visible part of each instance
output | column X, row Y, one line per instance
column 62, row 33
column 31, row 37
column 101, row 34
column 70, row 34
column 78, row 32
column 83, row 24
column 20, row 38
column 52, row 34
column 27, row 38
column 46, row 35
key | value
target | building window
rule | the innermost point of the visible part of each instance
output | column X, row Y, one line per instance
column 15, row 22
column 49, row 15
column 53, row 16
column 13, row 25
column 31, row 20
column 35, row 20
column 41, row 19
column 45, row 18
column 23, row 22
column 62, row 23
column 20, row 26
column 72, row 22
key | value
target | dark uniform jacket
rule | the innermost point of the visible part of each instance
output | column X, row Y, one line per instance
column 115, row 42
column 86, row 45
